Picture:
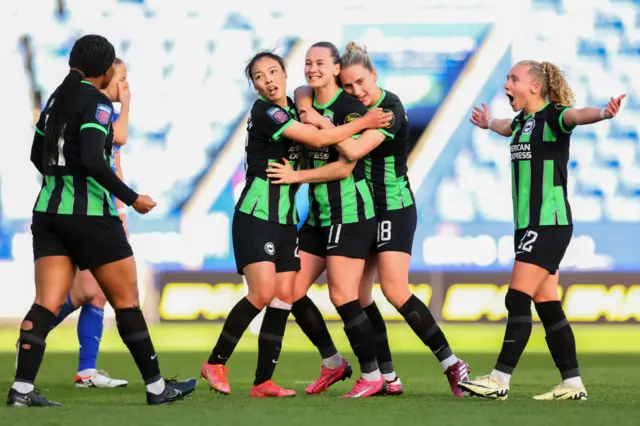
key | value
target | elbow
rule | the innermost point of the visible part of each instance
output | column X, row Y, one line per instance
column 119, row 140
column 351, row 156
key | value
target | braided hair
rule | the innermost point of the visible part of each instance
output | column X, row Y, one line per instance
column 91, row 56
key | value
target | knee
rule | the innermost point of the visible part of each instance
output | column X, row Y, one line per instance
column 396, row 294
column 99, row 300
column 124, row 301
column 518, row 303
column 340, row 297
column 286, row 297
column 262, row 296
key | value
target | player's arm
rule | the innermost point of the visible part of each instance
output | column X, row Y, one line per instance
column 570, row 117
column 121, row 125
column 92, row 138
column 283, row 173
column 120, row 206
column 303, row 98
column 481, row 117
column 355, row 149
column 314, row 137
column 276, row 122
column 501, row 126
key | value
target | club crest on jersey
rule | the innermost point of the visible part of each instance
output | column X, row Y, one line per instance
column 393, row 117
column 351, row 117
column 270, row 249
column 529, row 125
column 103, row 114
column 278, row 115
column 328, row 114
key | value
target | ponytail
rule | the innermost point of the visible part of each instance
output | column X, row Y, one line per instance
column 559, row 90
column 57, row 113
column 91, row 56
column 555, row 87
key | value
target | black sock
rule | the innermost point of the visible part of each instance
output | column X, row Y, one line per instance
column 560, row 339
column 135, row 334
column 270, row 343
column 234, row 327
column 379, row 328
column 32, row 342
column 516, row 336
column 310, row 321
column 421, row 321
column 360, row 334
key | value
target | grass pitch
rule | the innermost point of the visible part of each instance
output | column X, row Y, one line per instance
column 608, row 358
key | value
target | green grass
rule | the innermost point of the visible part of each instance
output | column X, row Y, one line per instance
column 611, row 380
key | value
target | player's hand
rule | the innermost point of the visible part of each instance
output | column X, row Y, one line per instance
column 613, row 107
column 313, row 117
column 124, row 94
column 281, row 173
column 377, row 119
column 144, row 204
column 481, row 117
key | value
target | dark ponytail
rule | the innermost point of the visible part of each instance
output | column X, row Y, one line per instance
column 91, row 56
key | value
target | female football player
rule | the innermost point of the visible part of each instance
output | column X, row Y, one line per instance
column 385, row 154
column 86, row 292
column 75, row 224
column 264, row 232
column 540, row 136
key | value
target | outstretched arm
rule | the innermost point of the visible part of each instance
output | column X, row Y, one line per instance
column 576, row 117
column 482, row 118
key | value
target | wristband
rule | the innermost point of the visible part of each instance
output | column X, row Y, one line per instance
column 489, row 123
column 123, row 210
column 602, row 114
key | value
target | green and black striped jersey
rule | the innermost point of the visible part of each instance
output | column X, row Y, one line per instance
column 386, row 166
column 266, row 144
column 74, row 181
column 539, row 157
column 342, row 201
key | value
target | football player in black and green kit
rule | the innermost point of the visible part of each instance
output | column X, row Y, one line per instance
column 384, row 153
column 338, row 232
column 75, row 223
column 264, row 232
column 341, row 223
column 540, row 136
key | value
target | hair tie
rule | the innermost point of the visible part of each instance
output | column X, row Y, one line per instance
column 78, row 71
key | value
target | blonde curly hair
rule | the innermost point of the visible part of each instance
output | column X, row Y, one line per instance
column 555, row 87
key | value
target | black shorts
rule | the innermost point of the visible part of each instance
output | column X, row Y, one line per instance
column 348, row 239
column 257, row 240
column 396, row 229
column 90, row 241
column 542, row 245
